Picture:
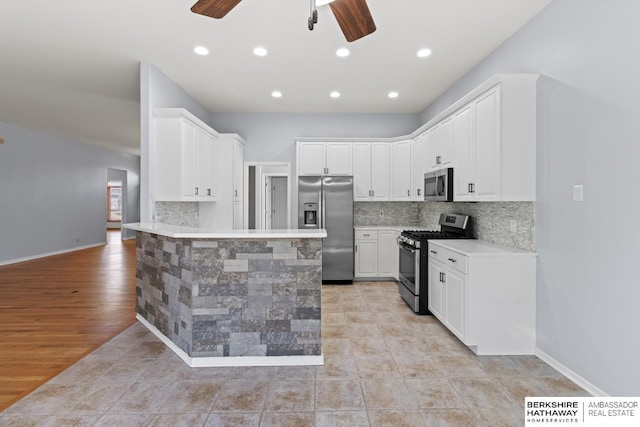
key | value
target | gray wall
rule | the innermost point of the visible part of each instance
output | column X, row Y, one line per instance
column 54, row 191
column 271, row 137
column 587, row 280
column 158, row 91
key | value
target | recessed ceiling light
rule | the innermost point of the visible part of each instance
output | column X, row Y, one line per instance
column 276, row 94
column 343, row 52
column 260, row 51
column 335, row 94
column 201, row 50
column 393, row 94
column 423, row 53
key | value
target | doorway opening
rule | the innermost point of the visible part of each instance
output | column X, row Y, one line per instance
column 268, row 190
column 116, row 203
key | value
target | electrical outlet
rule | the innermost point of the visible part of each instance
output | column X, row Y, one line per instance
column 578, row 193
column 381, row 213
column 513, row 226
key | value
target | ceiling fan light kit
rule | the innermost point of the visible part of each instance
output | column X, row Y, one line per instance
column 353, row 16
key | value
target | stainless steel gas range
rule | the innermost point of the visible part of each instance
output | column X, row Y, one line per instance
column 414, row 265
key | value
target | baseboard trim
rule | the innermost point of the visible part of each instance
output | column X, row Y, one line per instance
column 212, row 362
column 48, row 254
column 589, row 387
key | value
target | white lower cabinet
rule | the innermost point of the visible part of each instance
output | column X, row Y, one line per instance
column 376, row 253
column 484, row 294
column 366, row 253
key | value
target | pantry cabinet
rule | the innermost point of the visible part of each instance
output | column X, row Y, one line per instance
column 484, row 294
column 325, row 158
column 184, row 153
column 371, row 173
column 228, row 211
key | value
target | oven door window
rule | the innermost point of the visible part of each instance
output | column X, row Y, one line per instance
column 407, row 267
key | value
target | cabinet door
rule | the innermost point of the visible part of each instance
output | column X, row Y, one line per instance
column 418, row 167
column 401, row 170
column 435, row 148
column 380, row 175
column 238, row 216
column 339, row 158
column 464, row 152
column 366, row 261
column 487, row 150
column 204, row 166
column 361, row 171
column 238, row 170
column 311, row 158
column 446, row 143
column 387, row 253
column 456, row 303
column 188, row 168
column 436, row 288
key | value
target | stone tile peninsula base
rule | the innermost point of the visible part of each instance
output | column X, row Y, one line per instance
column 231, row 299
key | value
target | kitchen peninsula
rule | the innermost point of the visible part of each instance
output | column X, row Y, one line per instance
column 231, row 297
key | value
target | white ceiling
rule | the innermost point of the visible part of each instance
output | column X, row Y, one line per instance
column 71, row 68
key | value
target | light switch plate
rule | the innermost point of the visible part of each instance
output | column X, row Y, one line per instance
column 578, row 193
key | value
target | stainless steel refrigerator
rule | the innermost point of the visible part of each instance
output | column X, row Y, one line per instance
column 327, row 202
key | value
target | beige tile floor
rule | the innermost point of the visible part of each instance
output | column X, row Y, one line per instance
column 384, row 366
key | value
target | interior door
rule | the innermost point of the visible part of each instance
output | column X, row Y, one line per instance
column 279, row 202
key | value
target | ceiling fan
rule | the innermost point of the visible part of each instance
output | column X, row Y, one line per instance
column 353, row 16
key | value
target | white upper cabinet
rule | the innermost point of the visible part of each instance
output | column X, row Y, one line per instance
column 380, row 171
column 418, row 166
column 325, row 158
column 494, row 140
column 440, row 141
column 401, row 171
column 339, row 158
column 370, row 171
column 184, row 153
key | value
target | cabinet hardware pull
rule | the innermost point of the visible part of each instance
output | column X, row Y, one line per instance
column 438, row 160
column 444, row 278
column 473, row 188
column 235, row 193
column 356, row 248
column 452, row 260
column 365, row 235
column 469, row 188
column 208, row 191
column 434, row 252
column 373, row 193
column 196, row 191
column 418, row 191
column 409, row 193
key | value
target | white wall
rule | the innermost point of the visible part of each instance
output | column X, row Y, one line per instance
column 53, row 191
column 588, row 290
column 271, row 137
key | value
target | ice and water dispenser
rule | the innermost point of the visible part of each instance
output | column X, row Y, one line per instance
column 311, row 215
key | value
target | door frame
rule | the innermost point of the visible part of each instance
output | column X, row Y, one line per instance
column 260, row 176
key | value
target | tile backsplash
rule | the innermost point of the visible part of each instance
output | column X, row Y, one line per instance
column 177, row 213
column 490, row 219
column 373, row 214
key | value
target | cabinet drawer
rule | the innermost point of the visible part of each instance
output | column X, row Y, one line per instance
column 449, row 258
column 366, row 234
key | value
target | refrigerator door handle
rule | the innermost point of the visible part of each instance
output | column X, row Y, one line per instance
column 322, row 208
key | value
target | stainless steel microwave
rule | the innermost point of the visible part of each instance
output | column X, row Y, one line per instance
column 438, row 186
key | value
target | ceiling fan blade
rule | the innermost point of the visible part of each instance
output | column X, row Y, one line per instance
column 214, row 8
column 354, row 18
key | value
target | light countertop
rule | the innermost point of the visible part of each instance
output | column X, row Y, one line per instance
column 399, row 228
column 177, row 231
column 474, row 247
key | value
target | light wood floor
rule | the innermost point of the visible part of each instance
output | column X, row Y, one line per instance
column 55, row 310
